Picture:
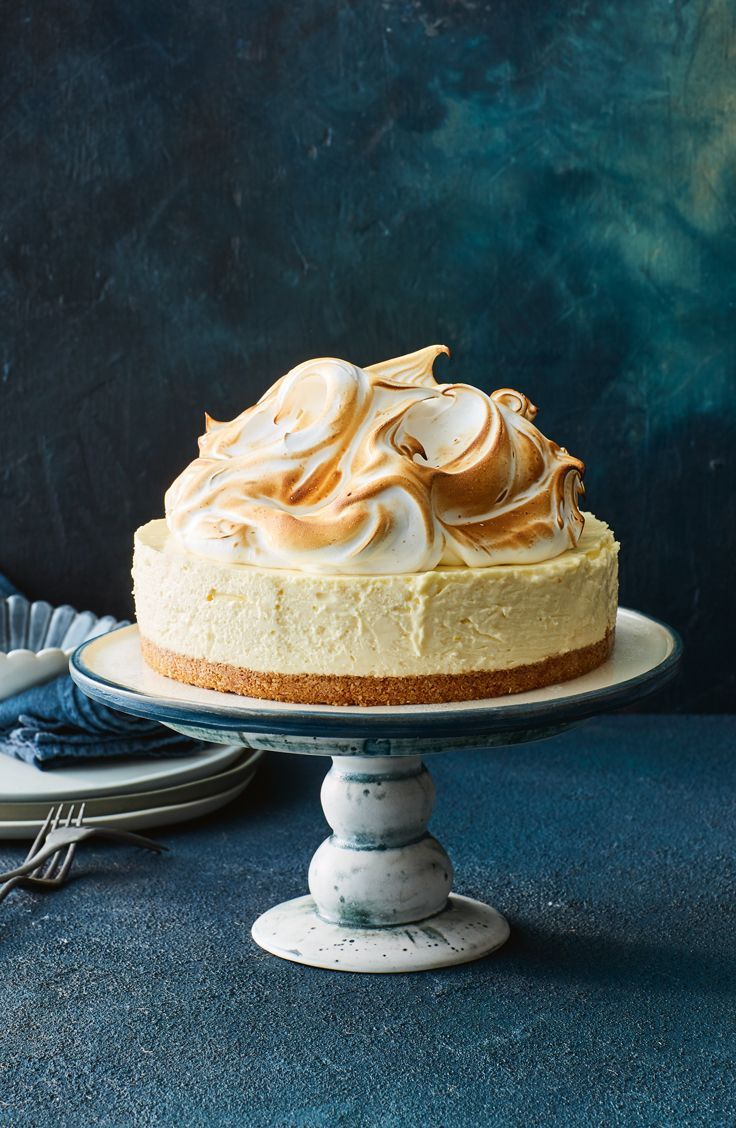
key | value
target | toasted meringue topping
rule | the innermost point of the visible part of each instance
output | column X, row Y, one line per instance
column 378, row 470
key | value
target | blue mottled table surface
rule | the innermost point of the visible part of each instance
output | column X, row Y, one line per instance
column 136, row 997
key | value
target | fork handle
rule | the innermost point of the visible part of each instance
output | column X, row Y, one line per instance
column 28, row 866
column 127, row 836
column 28, row 882
column 91, row 832
column 6, row 887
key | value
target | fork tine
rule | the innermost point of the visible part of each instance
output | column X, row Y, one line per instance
column 57, row 859
column 50, row 823
column 71, row 849
column 40, row 836
column 57, row 817
column 46, row 869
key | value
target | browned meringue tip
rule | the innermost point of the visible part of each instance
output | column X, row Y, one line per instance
column 376, row 470
column 516, row 401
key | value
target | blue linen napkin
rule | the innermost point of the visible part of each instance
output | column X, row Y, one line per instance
column 56, row 723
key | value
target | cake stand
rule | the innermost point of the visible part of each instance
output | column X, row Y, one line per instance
column 380, row 885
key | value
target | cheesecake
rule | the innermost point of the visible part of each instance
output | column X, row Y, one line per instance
column 371, row 537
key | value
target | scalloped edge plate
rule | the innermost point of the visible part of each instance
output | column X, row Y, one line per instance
column 26, row 625
column 22, row 669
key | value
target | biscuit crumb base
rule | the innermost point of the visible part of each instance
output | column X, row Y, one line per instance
column 347, row 689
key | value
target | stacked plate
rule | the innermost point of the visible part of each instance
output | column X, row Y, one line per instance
column 133, row 794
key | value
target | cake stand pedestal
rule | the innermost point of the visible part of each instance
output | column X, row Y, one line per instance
column 380, row 886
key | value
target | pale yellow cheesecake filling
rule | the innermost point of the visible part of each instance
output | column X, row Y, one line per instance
column 448, row 620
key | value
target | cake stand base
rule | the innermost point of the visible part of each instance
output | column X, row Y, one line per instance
column 464, row 931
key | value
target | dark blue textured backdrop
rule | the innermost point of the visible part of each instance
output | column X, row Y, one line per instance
column 196, row 196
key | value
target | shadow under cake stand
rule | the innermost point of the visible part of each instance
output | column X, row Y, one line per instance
column 380, row 886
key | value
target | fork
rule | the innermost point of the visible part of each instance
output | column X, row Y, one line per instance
column 52, row 839
column 51, row 876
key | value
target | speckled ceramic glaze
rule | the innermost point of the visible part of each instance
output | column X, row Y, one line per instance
column 380, row 885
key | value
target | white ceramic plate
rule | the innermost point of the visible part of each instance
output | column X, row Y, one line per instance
column 142, row 800
column 20, row 782
column 140, row 820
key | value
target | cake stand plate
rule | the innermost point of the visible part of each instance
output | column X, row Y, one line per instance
column 380, row 886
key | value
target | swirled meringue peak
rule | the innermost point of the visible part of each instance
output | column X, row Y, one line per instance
column 378, row 470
